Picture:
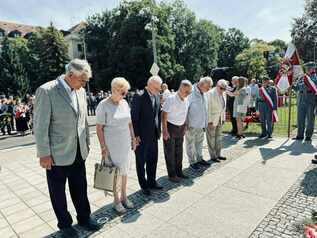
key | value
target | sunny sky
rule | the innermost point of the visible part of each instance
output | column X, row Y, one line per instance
column 268, row 20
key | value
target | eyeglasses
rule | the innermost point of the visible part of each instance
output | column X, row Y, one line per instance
column 223, row 89
column 123, row 94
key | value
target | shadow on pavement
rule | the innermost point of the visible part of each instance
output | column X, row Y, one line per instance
column 308, row 185
column 107, row 214
column 295, row 148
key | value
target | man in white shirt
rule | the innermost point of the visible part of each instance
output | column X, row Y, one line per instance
column 175, row 110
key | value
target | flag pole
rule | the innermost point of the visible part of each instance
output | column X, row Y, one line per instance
column 289, row 109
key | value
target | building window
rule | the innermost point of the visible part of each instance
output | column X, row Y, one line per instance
column 79, row 48
column 15, row 34
column 28, row 35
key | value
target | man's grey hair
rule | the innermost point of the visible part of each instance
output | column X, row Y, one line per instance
column 235, row 78
column 185, row 83
column 222, row 83
column 155, row 78
column 79, row 67
column 206, row 80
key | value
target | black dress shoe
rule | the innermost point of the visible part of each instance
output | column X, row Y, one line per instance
column 222, row 158
column 69, row 233
column 156, row 187
column 194, row 166
column 146, row 192
column 298, row 138
column 90, row 225
column 183, row 176
column 314, row 161
column 315, row 156
column 203, row 163
column 308, row 139
column 216, row 160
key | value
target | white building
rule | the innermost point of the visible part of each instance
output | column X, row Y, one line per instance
column 75, row 41
column 72, row 36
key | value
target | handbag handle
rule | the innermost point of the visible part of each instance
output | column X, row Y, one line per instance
column 104, row 164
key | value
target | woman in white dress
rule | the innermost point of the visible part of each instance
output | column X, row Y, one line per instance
column 116, row 136
column 241, row 105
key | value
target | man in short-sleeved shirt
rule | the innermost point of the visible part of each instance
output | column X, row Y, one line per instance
column 175, row 110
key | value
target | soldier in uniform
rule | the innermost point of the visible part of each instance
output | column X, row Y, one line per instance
column 265, row 109
column 306, row 102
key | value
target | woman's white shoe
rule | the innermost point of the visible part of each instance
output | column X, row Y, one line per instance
column 128, row 204
column 120, row 208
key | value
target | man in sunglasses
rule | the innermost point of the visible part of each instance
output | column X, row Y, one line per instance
column 216, row 119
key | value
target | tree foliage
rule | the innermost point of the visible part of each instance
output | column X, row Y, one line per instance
column 122, row 42
column 252, row 62
column 233, row 42
column 304, row 31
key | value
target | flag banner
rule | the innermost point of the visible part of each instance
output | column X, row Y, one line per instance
column 290, row 69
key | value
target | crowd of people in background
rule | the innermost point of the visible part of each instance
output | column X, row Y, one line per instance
column 16, row 115
column 241, row 98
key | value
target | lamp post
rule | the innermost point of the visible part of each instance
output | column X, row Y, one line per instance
column 85, row 57
column 315, row 43
column 153, row 33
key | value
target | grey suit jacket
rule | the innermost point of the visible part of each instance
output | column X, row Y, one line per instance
column 57, row 125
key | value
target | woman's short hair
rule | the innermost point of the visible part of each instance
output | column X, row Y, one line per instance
column 242, row 82
column 120, row 83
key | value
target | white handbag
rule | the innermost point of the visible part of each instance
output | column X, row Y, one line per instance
column 106, row 176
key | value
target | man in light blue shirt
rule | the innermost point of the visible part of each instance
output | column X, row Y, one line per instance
column 197, row 119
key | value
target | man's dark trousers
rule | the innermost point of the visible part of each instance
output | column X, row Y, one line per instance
column 76, row 176
column 173, row 150
column 147, row 156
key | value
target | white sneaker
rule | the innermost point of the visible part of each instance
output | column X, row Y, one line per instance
column 120, row 208
column 128, row 204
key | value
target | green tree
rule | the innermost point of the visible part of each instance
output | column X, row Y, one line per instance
column 233, row 42
column 251, row 62
column 49, row 52
column 304, row 31
column 14, row 68
column 280, row 46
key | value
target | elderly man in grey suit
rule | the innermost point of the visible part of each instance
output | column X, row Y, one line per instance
column 62, row 140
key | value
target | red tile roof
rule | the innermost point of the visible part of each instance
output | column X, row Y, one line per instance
column 24, row 29
column 78, row 27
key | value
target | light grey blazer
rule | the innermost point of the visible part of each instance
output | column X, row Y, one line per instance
column 57, row 125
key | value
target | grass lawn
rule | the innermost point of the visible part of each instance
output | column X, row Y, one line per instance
column 280, row 128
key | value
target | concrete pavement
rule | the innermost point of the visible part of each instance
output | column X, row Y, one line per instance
column 226, row 200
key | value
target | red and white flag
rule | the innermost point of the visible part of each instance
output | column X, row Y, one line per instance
column 290, row 69
column 310, row 84
column 266, row 97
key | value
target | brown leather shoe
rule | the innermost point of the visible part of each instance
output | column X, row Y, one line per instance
column 175, row 179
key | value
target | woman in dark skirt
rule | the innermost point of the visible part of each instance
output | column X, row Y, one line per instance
column 22, row 118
